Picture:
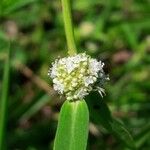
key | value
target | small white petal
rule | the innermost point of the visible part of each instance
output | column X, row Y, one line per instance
column 95, row 66
column 101, row 91
column 53, row 72
column 58, row 86
column 81, row 93
column 70, row 67
column 89, row 80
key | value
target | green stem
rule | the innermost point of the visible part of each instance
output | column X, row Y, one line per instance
column 66, row 6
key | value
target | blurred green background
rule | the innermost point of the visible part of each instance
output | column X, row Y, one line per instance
column 115, row 31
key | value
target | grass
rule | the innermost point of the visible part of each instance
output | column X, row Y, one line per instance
column 4, row 101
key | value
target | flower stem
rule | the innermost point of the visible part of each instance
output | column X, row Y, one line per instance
column 66, row 6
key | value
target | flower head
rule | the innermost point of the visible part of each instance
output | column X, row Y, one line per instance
column 75, row 76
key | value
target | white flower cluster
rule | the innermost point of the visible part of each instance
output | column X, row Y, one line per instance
column 75, row 76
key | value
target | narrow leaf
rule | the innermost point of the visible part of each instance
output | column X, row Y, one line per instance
column 142, row 136
column 3, row 101
column 72, row 130
column 101, row 114
column 13, row 5
column 120, row 131
column 35, row 107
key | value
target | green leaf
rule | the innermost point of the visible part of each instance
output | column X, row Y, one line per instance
column 130, row 36
column 72, row 130
column 12, row 5
column 120, row 131
column 143, row 136
column 101, row 114
column 35, row 107
column 4, row 101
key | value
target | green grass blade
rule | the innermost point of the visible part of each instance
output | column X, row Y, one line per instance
column 12, row 5
column 33, row 109
column 4, row 100
column 102, row 115
column 130, row 36
column 72, row 130
column 121, row 132
column 142, row 136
